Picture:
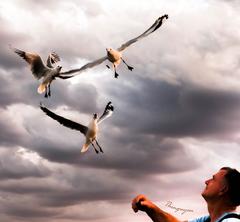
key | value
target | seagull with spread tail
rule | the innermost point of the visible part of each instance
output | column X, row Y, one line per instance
column 89, row 132
column 40, row 70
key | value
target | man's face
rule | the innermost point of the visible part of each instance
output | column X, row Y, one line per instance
column 215, row 186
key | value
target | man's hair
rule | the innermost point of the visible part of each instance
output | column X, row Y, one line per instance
column 233, row 180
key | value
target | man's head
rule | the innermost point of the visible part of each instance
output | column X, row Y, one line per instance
column 223, row 185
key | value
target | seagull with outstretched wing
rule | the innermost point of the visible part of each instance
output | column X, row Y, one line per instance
column 115, row 56
column 39, row 70
column 89, row 132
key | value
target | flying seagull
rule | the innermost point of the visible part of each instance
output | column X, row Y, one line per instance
column 39, row 70
column 115, row 56
column 89, row 132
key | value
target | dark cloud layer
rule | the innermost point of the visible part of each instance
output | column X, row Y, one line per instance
column 184, row 110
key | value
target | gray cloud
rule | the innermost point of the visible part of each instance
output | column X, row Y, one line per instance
column 12, row 166
column 176, row 110
column 11, row 133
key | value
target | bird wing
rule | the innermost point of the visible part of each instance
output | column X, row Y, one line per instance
column 64, row 77
column 107, row 112
column 86, row 66
column 65, row 122
column 53, row 58
column 150, row 30
column 37, row 67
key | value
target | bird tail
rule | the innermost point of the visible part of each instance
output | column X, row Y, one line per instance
column 85, row 147
column 42, row 88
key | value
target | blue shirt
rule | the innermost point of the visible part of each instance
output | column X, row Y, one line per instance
column 204, row 218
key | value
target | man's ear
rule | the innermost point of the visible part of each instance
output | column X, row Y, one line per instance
column 223, row 190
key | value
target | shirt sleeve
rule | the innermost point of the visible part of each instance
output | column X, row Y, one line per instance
column 231, row 220
column 203, row 219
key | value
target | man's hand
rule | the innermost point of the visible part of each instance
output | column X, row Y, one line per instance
column 140, row 202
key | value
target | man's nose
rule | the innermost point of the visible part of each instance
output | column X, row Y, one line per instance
column 206, row 182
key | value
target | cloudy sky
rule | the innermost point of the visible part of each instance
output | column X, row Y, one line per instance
column 176, row 119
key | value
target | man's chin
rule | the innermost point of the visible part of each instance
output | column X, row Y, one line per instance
column 203, row 194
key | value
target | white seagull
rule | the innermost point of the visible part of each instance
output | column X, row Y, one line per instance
column 48, row 72
column 89, row 132
column 115, row 56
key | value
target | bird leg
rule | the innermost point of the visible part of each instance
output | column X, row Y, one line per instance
column 49, row 90
column 46, row 94
column 116, row 75
column 94, row 147
column 115, row 72
column 99, row 146
column 129, row 67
